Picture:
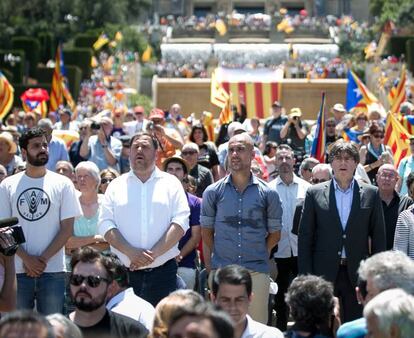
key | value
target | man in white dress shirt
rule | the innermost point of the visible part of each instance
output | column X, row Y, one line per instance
column 144, row 214
column 124, row 301
column 232, row 291
column 291, row 190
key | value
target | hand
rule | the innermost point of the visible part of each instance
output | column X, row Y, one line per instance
column 140, row 258
column 99, row 239
column 159, row 130
column 34, row 265
column 179, row 258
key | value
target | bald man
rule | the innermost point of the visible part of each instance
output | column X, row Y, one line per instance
column 392, row 203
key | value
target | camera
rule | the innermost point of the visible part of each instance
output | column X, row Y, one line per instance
column 14, row 235
column 150, row 126
column 95, row 125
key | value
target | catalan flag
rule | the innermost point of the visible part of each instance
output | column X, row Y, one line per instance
column 318, row 146
column 146, row 55
column 208, row 124
column 397, row 138
column 100, row 42
column 6, row 96
column 218, row 95
column 407, row 122
column 59, row 89
column 358, row 95
column 226, row 114
column 397, row 93
column 349, row 134
column 34, row 99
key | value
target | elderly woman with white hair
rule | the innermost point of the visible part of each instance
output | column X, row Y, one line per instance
column 85, row 230
column 390, row 314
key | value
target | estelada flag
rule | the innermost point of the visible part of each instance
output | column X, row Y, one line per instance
column 318, row 145
column 397, row 138
column 6, row 96
column 397, row 93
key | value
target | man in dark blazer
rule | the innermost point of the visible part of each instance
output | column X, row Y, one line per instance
column 342, row 223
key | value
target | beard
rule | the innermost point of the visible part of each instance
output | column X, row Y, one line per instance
column 36, row 161
column 89, row 304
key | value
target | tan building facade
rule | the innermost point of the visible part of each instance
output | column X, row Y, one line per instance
column 359, row 9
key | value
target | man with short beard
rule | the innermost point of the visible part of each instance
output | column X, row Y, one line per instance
column 46, row 205
column 91, row 279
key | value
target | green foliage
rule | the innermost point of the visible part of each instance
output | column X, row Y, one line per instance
column 410, row 54
column 85, row 40
column 386, row 10
column 74, row 76
column 31, row 47
column 16, row 68
column 140, row 100
column 80, row 57
column 133, row 40
column 47, row 46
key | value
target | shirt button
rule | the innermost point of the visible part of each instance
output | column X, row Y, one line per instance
column 343, row 236
column 239, row 256
column 239, row 245
column 239, row 233
column 339, row 253
column 240, row 200
column 239, row 222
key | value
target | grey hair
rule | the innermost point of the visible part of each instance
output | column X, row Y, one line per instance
column 393, row 307
column 69, row 164
column 389, row 269
column 323, row 166
column 70, row 329
column 305, row 164
column 45, row 123
column 92, row 168
column 191, row 145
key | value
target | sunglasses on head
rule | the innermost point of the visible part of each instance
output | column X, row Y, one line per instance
column 106, row 180
column 92, row 281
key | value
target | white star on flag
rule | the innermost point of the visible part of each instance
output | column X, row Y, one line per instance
column 357, row 92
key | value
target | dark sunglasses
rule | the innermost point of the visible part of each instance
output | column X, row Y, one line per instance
column 106, row 180
column 316, row 181
column 92, row 281
column 188, row 152
column 378, row 135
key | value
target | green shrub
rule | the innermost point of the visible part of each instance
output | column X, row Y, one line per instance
column 85, row 40
column 47, row 47
column 397, row 45
column 80, row 57
column 16, row 68
column 31, row 47
column 410, row 55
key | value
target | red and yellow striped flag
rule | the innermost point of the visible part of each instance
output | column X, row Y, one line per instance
column 397, row 93
column 207, row 119
column 226, row 115
column 397, row 138
column 6, row 96
column 218, row 95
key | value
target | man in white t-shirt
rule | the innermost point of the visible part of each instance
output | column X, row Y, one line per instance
column 46, row 205
column 144, row 214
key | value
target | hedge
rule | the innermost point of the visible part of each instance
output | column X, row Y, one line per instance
column 31, row 47
column 18, row 68
column 80, row 57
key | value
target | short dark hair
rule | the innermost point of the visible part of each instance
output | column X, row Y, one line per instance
column 29, row 134
column 198, row 126
column 144, row 133
column 221, row 322
column 119, row 270
column 311, row 302
column 88, row 254
column 28, row 317
column 234, row 275
column 340, row 146
column 410, row 180
column 269, row 145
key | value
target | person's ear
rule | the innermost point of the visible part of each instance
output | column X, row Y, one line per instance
column 360, row 299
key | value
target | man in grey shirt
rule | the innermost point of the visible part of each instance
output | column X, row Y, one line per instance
column 241, row 219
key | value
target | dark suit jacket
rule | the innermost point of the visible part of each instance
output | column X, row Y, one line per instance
column 321, row 237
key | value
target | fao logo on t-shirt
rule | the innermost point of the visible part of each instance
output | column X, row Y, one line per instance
column 33, row 204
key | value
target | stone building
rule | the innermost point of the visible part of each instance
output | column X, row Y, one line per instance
column 359, row 9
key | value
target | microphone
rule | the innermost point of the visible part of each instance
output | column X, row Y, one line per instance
column 8, row 222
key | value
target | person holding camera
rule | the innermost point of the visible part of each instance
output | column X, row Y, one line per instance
column 293, row 132
column 45, row 204
column 99, row 146
column 8, row 283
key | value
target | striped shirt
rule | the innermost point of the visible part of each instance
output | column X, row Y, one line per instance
column 404, row 233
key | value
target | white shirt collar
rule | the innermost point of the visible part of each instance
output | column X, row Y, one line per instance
column 338, row 188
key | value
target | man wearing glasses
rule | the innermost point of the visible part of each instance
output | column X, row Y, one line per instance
column 342, row 223
column 392, row 203
column 90, row 283
column 139, row 124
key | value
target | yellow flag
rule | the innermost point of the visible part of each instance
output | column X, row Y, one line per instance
column 118, row 36
column 102, row 41
column 218, row 96
column 221, row 27
column 397, row 138
column 146, row 56
column 94, row 62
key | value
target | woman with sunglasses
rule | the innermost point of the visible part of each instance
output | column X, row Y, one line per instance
column 85, row 228
column 107, row 176
column 375, row 153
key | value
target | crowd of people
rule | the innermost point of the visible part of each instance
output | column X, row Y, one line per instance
column 126, row 228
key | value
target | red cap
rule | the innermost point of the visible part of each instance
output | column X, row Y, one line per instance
column 156, row 113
